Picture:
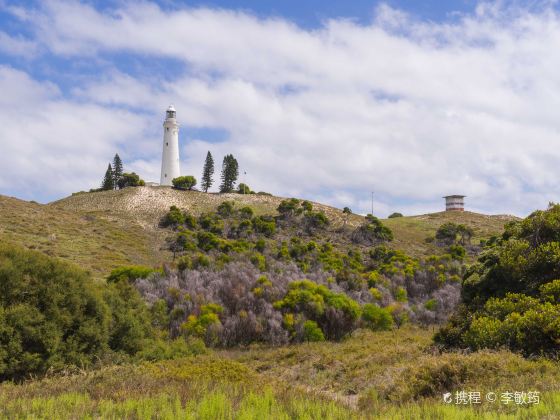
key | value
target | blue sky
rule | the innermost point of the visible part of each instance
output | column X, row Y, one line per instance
column 326, row 100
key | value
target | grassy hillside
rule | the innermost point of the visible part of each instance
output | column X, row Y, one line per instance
column 370, row 375
column 92, row 241
column 144, row 206
column 100, row 231
column 412, row 233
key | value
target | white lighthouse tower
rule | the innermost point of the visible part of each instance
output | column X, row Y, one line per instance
column 170, row 156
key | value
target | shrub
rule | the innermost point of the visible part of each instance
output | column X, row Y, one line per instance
column 510, row 296
column 207, row 241
column 130, row 319
column 264, row 225
column 184, row 182
column 173, row 218
column 52, row 315
column 212, row 223
column 376, row 318
column 306, row 206
column 400, row 294
column 244, row 189
column 288, row 208
column 130, row 180
column 312, row 332
column 206, row 326
column 259, row 261
column 129, row 273
column 158, row 349
column 225, row 209
column 372, row 232
column 246, row 212
column 451, row 233
column 335, row 313
column 395, row 215
column 457, row 252
column 315, row 220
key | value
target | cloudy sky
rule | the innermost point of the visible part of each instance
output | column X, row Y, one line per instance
column 326, row 101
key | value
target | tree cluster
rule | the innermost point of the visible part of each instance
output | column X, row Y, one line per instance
column 53, row 314
column 116, row 178
column 510, row 297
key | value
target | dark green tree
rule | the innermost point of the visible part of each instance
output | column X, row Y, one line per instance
column 108, row 181
column 117, row 170
column 207, row 172
column 230, row 173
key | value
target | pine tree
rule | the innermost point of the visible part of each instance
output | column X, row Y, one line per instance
column 230, row 173
column 108, row 181
column 117, row 170
column 207, row 173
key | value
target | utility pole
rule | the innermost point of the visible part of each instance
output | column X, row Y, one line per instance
column 244, row 182
column 372, row 203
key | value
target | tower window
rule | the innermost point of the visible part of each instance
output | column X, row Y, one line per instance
column 166, row 143
column 165, row 175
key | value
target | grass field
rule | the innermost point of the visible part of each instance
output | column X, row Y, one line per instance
column 370, row 375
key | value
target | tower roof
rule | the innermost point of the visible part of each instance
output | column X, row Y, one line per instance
column 171, row 108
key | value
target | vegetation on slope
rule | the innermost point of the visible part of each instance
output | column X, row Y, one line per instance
column 53, row 315
column 370, row 375
column 93, row 241
column 144, row 206
column 511, row 297
column 243, row 278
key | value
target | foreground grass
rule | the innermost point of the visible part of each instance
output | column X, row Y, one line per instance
column 218, row 405
column 390, row 375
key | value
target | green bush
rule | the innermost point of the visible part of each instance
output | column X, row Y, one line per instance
column 206, row 325
column 173, row 218
column 457, row 252
column 53, row 315
column 315, row 220
column 395, row 215
column 312, row 332
column 225, row 209
column 158, row 349
column 246, row 212
column 184, row 182
column 376, row 318
column 288, row 208
column 212, row 223
column 130, row 180
column 129, row 273
column 264, row 225
column 372, row 232
column 335, row 313
column 207, row 241
column 511, row 295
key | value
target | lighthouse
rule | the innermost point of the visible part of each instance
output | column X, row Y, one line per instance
column 170, row 156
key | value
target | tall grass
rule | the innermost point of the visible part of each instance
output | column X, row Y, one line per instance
column 220, row 405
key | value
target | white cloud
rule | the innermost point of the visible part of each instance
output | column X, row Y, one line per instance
column 413, row 110
column 17, row 45
column 51, row 146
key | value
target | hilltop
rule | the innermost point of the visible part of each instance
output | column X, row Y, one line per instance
column 103, row 230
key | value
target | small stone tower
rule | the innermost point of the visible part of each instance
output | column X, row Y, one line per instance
column 170, row 156
column 455, row 202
